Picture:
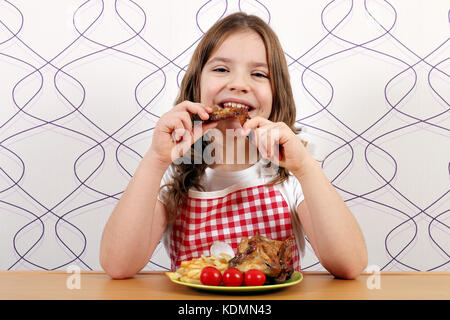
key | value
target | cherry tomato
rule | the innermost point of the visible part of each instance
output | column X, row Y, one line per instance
column 210, row 276
column 254, row 277
column 232, row 277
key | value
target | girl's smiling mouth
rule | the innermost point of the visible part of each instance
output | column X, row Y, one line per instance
column 235, row 104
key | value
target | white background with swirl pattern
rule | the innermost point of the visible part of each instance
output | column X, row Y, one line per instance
column 82, row 84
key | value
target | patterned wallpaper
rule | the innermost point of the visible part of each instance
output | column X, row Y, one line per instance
column 82, row 84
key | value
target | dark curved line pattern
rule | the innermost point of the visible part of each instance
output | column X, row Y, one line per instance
column 393, row 106
column 310, row 65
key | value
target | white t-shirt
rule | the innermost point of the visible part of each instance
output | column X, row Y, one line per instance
column 215, row 180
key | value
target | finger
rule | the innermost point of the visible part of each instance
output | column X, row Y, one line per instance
column 190, row 137
column 196, row 108
column 176, row 129
column 185, row 119
column 199, row 110
column 178, row 134
column 255, row 123
column 273, row 140
column 260, row 135
column 266, row 139
column 263, row 138
column 181, row 147
column 257, row 140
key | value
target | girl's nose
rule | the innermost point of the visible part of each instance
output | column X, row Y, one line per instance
column 239, row 84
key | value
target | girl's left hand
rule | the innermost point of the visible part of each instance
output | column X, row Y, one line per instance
column 276, row 142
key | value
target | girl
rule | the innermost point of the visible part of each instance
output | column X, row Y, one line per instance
column 238, row 62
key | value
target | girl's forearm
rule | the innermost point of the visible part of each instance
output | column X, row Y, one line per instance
column 126, row 239
column 338, row 238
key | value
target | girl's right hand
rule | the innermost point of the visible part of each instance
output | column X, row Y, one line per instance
column 174, row 133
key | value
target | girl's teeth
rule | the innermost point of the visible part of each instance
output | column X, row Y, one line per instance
column 234, row 105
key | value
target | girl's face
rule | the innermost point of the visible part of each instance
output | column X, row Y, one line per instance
column 237, row 72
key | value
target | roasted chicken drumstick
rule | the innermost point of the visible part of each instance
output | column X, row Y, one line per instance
column 272, row 257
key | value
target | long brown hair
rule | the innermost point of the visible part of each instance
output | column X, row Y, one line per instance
column 188, row 175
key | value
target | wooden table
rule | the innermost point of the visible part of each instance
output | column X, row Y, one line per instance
column 38, row 285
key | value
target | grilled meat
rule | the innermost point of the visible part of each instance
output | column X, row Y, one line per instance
column 272, row 257
column 228, row 113
column 285, row 257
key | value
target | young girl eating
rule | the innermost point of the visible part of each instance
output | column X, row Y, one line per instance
column 199, row 183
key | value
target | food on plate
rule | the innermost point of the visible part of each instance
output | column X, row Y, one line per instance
column 254, row 277
column 259, row 260
column 191, row 270
column 211, row 276
column 233, row 277
column 229, row 110
column 271, row 257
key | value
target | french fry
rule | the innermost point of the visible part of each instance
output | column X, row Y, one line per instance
column 191, row 270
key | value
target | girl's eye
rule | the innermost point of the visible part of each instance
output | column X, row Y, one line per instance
column 259, row 75
column 220, row 69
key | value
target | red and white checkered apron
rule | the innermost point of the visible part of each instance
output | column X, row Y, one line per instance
column 228, row 218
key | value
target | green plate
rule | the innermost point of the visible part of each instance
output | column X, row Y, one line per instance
column 295, row 278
